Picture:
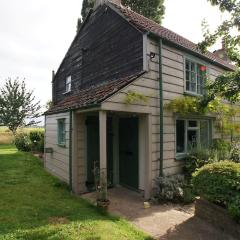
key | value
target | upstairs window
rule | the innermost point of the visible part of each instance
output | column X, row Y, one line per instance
column 61, row 132
column 191, row 134
column 68, row 84
column 195, row 77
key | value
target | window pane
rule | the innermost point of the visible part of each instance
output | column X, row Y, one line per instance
column 61, row 131
column 204, row 133
column 192, row 123
column 192, row 136
column 180, row 132
column 193, row 67
column 187, row 85
column 68, row 84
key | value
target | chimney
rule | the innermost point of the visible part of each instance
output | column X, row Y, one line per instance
column 223, row 44
column 101, row 2
column 222, row 53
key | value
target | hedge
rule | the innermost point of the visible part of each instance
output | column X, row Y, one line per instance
column 220, row 183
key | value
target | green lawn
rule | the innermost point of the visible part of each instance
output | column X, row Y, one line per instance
column 35, row 205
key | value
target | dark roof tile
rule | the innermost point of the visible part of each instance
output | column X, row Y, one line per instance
column 144, row 24
column 92, row 95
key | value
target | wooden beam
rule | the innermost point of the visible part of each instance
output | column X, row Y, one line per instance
column 148, row 161
column 103, row 143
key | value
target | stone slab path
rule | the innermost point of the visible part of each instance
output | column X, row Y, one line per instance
column 163, row 222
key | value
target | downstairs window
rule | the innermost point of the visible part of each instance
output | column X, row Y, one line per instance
column 191, row 134
column 61, row 132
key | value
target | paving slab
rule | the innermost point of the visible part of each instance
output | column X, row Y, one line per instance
column 163, row 222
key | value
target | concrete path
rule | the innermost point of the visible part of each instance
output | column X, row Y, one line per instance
column 163, row 222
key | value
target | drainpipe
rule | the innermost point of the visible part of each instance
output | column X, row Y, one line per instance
column 70, row 149
column 159, row 40
column 161, row 106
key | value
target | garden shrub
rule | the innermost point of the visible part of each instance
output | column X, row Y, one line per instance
column 235, row 151
column 37, row 140
column 32, row 141
column 222, row 148
column 220, row 183
column 169, row 188
column 23, row 142
column 197, row 158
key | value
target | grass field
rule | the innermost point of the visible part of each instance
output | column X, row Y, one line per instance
column 36, row 206
column 6, row 136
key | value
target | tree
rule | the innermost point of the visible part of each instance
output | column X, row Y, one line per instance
column 49, row 104
column 17, row 105
column 227, row 85
column 152, row 9
column 86, row 6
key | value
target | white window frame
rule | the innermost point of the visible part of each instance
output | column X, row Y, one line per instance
column 186, row 129
column 68, row 84
column 196, row 62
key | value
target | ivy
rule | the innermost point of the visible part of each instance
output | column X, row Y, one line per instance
column 225, row 113
column 133, row 96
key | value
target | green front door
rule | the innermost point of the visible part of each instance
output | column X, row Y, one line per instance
column 128, row 152
column 92, row 124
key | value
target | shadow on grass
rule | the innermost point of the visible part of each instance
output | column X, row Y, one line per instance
column 30, row 197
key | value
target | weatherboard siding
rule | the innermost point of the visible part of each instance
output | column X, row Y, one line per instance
column 173, row 87
column 106, row 48
column 81, row 153
column 57, row 162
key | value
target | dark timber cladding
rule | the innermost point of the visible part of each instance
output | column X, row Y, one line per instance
column 106, row 48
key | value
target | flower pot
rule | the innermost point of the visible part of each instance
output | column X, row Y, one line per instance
column 103, row 203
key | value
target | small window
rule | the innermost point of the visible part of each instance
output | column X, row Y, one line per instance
column 68, row 84
column 195, row 77
column 61, row 132
column 191, row 134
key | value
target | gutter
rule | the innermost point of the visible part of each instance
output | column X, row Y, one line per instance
column 70, row 149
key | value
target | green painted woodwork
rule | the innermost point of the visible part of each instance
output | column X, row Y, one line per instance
column 93, row 155
column 128, row 152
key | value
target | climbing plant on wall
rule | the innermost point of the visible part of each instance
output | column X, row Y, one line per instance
column 225, row 113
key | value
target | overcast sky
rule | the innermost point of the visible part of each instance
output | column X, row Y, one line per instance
column 35, row 35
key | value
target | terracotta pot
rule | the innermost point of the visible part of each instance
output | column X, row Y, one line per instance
column 103, row 203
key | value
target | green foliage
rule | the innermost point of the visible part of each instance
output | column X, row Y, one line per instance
column 222, row 149
column 185, row 106
column 227, row 85
column 17, row 105
column 225, row 113
column 30, row 141
column 197, row 158
column 134, row 97
column 23, row 142
column 169, row 188
column 235, row 151
column 49, row 104
column 220, row 183
column 37, row 140
column 86, row 6
column 32, row 206
column 152, row 9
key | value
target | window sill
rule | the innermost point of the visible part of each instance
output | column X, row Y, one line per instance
column 192, row 94
column 180, row 156
column 62, row 145
column 66, row 92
